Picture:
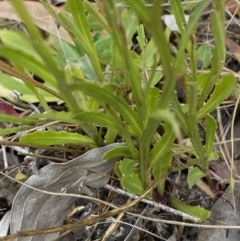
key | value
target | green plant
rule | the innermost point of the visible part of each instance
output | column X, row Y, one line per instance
column 108, row 85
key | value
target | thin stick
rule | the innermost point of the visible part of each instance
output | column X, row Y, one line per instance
column 152, row 203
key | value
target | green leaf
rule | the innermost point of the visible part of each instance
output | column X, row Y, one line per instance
column 127, row 167
column 107, row 97
column 204, row 54
column 150, row 55
column 18, row 120
column 110, row 136
column 169, row 117
column 80, row 29
column 162, row 147
column 132, row 183
column 18, row 41
column 63, row 50
column 117, row 151
column 86, row 67
column 140, row 9
column 60, row 116
column 222, row 91
column 40, row 98
column 120, row 42
column 97, row 118
column 48, row 138
column 217, row 20
column 155, row 77
column 211, row 127
column 198, row 212
column 26, row 61
column 80, row 20
column 130, row 23
column 93, row 24
column 117, row 170
column 192, row 23
column 194, row 174
column 177, row 10
column 99, row 18
column 37, row 40
column 8, row 131
column 151, row 100
column 141, row 37
column 104, row 48
column 202, row 81
column 161, row 169
column 180, row 114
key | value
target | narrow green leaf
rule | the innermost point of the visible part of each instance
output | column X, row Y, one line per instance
column 97, row 118
column 222, row 91
column 161, row 168
column 211, row 127
column 155, row 76
column 82, row 29
column 181, row 117
column 78, row 13
column 132, row 183
column 198, row 212
column 37, row 40
column 150, row 55
column 120, row 39
column 202, row 81
column 194, row 126
column 81, row 41
column 109, row 98
column 117, row 151
column 116, row 170
column 48, row 138
column 150, row 18
column 110, row 136
column 8, row 131
column 92, row 9
column 39, row 97
column 18, row 120
column 162, row 147
column 194, row 174
column 59, row 116
column 141, row 37
column 130, row 24
column 151, row 97
column 192, row 23
column 177, row 10
column 218, row 60
column 168, row 117
column 87, row 68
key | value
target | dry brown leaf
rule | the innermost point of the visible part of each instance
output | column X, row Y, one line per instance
column 234, row 48
column 233, row 6
column 40, row 16
column 33, row 209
